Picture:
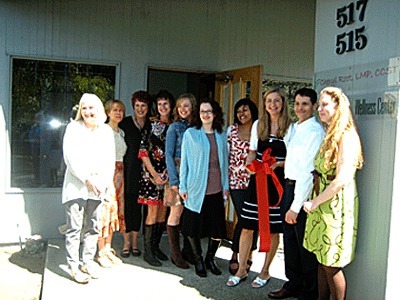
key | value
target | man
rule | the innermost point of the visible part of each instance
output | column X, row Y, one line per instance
column 303, row 141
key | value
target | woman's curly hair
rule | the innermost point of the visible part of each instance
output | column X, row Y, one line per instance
column 218, row 122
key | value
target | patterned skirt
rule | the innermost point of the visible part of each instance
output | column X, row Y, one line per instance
column 112, row 215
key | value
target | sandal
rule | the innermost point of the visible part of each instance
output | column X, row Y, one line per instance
column 235, row 280
column 233, row 270
column 135, row 252
column 125, row 252
column 113, row 257
column 259, row 283
column 249, row 263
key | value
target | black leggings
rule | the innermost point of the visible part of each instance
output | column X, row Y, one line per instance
column 133, row 212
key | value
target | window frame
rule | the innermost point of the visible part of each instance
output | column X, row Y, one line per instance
column 8, row 114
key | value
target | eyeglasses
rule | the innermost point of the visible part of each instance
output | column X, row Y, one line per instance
column 206, row 112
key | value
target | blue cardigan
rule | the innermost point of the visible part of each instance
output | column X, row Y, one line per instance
column 194, row 165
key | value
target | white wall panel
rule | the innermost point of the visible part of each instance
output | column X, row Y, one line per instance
column 189, row 34
column 378, row 225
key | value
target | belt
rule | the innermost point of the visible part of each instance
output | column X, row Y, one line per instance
column 290, row 181
column 316, row 176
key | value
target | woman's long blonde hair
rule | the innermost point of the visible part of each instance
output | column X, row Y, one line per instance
column 264, row 123
column 101, row 116
column 342, row 120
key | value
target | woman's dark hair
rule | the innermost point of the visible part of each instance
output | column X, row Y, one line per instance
column 164, row 94
column 252, row 106
column 142, row 96
column 218, row 122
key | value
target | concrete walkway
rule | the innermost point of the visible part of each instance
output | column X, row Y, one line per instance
column 135, row 279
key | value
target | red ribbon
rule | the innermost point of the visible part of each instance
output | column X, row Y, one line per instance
column 262, row 170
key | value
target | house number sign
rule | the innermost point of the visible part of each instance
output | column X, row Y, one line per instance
column 355, row 39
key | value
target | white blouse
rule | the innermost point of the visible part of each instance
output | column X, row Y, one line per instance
column 120, row 145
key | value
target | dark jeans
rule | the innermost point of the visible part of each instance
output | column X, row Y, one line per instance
column 238, row 196
column 300, row 264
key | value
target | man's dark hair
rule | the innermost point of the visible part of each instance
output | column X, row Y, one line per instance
column 307, row 92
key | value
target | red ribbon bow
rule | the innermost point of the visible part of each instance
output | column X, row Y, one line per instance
column 262, row 170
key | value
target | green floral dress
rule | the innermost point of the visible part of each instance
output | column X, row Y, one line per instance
column 331, row 228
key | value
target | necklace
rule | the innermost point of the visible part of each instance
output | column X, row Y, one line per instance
column 137, row 123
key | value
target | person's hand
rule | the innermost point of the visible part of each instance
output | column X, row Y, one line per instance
column 183, row 196
column 250, row 171
column 160, row 178
column 291, row 217
column 92, row 187
column 175, row 188
column 277, row 164
column 226, row 196
column 309, row 206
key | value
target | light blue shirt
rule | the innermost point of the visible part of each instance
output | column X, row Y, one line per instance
column 195, row 158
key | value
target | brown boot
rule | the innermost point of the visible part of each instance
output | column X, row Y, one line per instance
column 176, row 255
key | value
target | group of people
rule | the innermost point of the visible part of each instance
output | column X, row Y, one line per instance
column 181, row 166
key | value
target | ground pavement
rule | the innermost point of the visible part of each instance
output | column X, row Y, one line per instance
column 135, row 279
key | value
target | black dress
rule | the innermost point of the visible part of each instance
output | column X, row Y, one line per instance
column 249, row 215
column 132, row 172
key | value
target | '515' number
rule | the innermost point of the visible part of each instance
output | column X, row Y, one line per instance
column 349, row 41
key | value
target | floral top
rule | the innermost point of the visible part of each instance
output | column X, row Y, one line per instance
column 238, row 151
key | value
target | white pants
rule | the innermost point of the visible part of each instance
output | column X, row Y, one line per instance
column 82, row 218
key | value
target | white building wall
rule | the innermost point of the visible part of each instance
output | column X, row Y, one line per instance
column 369, row 76
column 199, row 35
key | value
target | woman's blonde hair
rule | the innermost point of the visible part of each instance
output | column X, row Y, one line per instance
column 341, row 121
column 179, row 100
column 110, row 103
column 101, row 116
column 264, row 123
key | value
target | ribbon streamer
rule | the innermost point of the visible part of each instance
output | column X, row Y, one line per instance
column 262, row 170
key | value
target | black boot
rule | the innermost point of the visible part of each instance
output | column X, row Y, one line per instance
column 158, row 232
column 187, row 252
column 213, row 246
column 199, row 263
column 148, row 255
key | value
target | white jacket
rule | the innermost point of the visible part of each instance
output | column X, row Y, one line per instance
column 88, row 154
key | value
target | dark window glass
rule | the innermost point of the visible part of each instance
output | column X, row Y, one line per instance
column 43, row 96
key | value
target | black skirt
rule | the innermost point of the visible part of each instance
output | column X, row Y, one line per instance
column 210, row 222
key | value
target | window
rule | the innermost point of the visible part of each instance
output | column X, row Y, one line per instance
column 44, row 94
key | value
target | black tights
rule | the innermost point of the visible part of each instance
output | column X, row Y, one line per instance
column 331, row 281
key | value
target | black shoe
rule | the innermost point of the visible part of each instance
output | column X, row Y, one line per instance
column 148, row 255
column 200, row 268
column 136, row 252
column 213, row 246
column 212, row 266
column 281, row 294
column 125, row 253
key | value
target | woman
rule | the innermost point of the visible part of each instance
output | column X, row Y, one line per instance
column 154, row 177
column 112, row 217
column 184, row 117
column 133, row 127
column 245, row 113
column 204, row 184
column 333, row 210
column 89, row 154
column 267, row 133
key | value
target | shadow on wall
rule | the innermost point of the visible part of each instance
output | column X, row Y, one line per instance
column 44, row 213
